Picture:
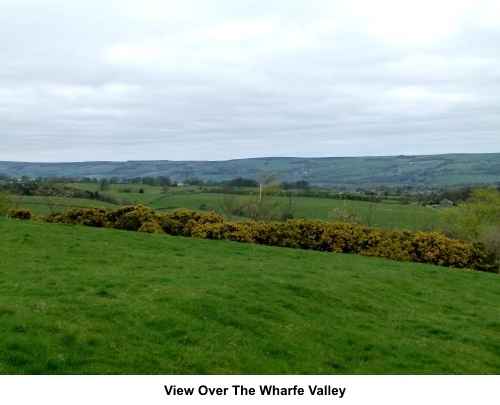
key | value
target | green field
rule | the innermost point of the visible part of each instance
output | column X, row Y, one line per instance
column 389, row 215
column 77, row 300
column 383, row 215
column 38, row 206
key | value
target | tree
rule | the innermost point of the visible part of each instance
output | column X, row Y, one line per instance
column 239, row 182
column 148, row 180
column 194, row 181
column 341, row 214
column 6, row 203
column 478, row 220
column 371, row 205
column 103, row 184
column 291, row 194
column 266, row 180
column 259, row 207
column 163, row 181
column 227, row 206
column 50, row 195
column 474, row 217
column 300, row 184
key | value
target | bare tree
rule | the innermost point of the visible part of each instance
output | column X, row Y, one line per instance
column 371, row 205
column 291, row 194
column 260, row 207
column 50, row 196
column 227, row 205
column 342, row 214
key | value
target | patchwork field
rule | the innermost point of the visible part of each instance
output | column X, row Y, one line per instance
column 77, row 300
column 386, row 214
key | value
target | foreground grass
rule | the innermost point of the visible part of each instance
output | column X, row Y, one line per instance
column 77, row 300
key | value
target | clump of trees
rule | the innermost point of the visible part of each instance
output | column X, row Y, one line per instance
column 239, row 182
column 477, row 220
column 297, row 185
column 259, row 206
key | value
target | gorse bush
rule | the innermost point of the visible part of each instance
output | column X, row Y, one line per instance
column 338, row 237
column 176, row 224
column 20, row 214
column 129, row 218
column 95, row 217
column 139, row 218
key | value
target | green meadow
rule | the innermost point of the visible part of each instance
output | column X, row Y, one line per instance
column 387, row 214
column 76, row 300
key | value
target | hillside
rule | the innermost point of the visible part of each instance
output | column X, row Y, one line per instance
column 76, row 300
column 429, row 171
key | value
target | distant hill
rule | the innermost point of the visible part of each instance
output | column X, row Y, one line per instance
column 419, row 170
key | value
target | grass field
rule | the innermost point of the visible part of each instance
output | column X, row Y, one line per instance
column 39, row 206
column 382, row 215
column 77, row 300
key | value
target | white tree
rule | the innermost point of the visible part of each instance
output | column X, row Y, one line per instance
column 260, row 207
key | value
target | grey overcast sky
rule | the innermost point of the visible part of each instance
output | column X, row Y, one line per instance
column 226, row 79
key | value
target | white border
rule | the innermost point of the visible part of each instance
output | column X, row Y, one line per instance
column 124, row 390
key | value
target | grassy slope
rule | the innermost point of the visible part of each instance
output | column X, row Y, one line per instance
column 77, row 300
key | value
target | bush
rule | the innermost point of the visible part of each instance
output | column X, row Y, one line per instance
column 302, row 234
column 339, row 237
column 20, row 214
column 138, row 218
column 176, row 223
column 94, row 216
column 113, row 217
column 151, row 227
column 435, row 248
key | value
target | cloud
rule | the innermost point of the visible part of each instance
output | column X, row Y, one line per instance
column 207, row 79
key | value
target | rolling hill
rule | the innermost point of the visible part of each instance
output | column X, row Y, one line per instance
column 393, row 171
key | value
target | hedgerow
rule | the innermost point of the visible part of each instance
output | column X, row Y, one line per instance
column 339, row 237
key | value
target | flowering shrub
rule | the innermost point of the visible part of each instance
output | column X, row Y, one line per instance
column 93, row 216
column 20, row 214
column 176, row 223
column 339, row 237
column 140, row 218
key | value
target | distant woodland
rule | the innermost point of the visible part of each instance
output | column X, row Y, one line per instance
column 334, row 172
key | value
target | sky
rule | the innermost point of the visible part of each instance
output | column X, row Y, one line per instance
column 86, row 80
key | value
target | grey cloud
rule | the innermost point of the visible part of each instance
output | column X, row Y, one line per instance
column 94, row 81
